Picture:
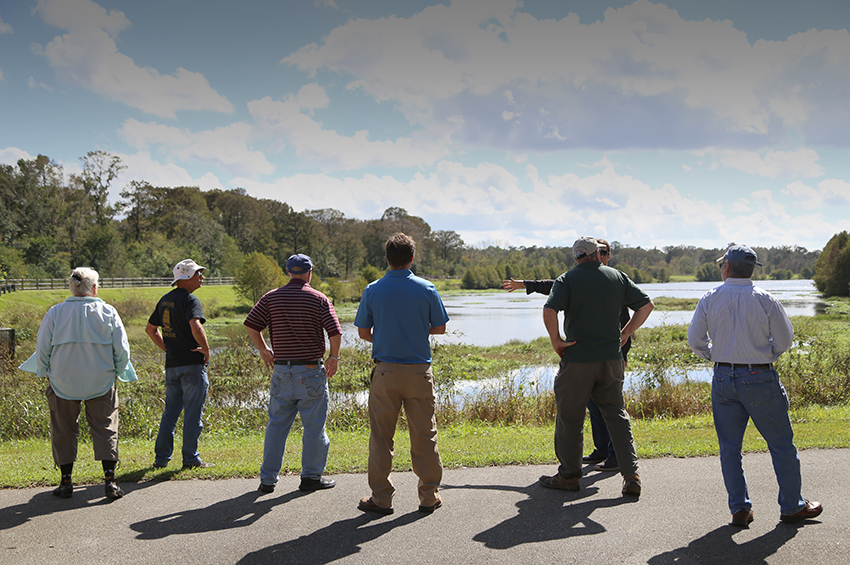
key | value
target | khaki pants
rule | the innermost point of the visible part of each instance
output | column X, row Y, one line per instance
column 395, row 385
column 102, row 416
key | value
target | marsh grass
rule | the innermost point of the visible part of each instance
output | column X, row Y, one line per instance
column 492, row 427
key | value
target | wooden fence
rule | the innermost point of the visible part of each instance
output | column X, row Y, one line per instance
column 14, row 285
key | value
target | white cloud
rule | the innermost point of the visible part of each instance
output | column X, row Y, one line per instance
column 225, row 147
column 285, row 121
column 831, row 193
column 774, row 164
column 88, row 56
column 641, row 77
column 142, row 167
column 4, row 27
column 11, row 155
column 31, row 84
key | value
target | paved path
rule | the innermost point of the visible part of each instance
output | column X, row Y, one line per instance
column 492, row 515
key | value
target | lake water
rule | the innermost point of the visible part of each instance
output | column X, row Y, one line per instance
column 494, row 318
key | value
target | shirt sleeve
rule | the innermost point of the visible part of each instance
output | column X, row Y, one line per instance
column 540, row 287
column 781, row 330
column 330, row 320
column 439, row 316
column 120, row 344
column 559, row 296
column 363, row 318
column 257, row 318
column 44, row 344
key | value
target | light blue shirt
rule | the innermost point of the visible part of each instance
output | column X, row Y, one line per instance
column 738, row 322
column 82, row 347
column 402, row 308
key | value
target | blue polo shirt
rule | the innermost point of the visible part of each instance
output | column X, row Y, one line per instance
column 402, row 308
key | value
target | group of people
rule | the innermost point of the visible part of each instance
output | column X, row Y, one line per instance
column 82, row 349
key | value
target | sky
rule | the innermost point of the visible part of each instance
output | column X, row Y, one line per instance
column 513, row 123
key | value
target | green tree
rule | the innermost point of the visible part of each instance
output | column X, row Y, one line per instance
column 99, row 170
column 832, row 268
column 708, row 272
column 258, row 275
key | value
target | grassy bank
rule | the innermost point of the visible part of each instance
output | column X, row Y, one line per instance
column 25, row 463
column 505, row 425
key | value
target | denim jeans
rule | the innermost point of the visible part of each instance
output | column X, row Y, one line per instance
column 736, row 396
column 599, row 431
column 303, row 390
column 185, row 391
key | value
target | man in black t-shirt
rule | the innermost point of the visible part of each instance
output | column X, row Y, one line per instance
column 176, row 327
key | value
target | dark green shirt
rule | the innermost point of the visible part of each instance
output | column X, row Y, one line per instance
column 591, row 296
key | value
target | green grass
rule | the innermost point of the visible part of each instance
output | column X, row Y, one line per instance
column 26, row 463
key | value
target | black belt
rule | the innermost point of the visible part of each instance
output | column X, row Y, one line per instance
column 745, row 365
column 300, row 362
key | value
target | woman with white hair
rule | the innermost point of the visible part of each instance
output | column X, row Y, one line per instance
column 81, row 349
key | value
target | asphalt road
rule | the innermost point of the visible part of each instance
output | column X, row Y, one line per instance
column 490, row 516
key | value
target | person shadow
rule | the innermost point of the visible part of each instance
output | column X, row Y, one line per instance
column 44, row 503
column 718, row 546
column 238, row 512
column 546, row 514
column 331, row 543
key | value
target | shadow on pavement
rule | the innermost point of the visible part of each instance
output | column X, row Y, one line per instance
column 543, row 516
column 44, row 503
column 331, row 543
column 237, row 512
column 718, row 546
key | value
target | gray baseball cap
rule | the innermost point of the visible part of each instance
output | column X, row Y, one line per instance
column 584, row 246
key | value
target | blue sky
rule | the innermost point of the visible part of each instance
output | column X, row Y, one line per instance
column 512, row 123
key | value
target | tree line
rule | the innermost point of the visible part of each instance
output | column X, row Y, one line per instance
column 49, row 224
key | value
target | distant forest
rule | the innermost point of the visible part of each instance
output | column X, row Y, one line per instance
column 49, row 225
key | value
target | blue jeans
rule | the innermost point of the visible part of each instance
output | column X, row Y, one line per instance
column 736, row 396
column 297, row 390
column 185, row 391
column 599, row 431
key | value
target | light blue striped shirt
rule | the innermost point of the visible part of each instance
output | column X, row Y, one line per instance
column 738, row 322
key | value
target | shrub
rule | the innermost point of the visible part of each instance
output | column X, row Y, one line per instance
column 258, row 275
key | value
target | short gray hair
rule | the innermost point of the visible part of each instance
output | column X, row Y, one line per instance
column 82, row 281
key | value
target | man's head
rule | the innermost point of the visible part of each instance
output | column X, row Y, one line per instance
column 585, row 249
column 83, row 281
column 604, row 250
column 188, row 275
column 299, row 266
column 400, row 250
column 740, row 261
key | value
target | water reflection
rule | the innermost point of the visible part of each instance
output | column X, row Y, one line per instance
column 496, row 318
column 528, row 381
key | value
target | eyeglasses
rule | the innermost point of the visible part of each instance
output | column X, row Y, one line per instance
column 603, row 252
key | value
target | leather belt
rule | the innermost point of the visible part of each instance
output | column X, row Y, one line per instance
column 745, row 365
column 299, row 362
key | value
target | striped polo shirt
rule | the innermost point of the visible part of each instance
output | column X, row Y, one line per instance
column 295, row 314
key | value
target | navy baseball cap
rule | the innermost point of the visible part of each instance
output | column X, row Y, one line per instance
column 299, row 264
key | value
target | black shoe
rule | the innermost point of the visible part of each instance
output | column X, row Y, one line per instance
column 199, row 464
column 156, row 465
column 112, row 490
column 310, row 485
column 609, row 464
column 595, row 457
column 65, row 489
column 430, row 509
column 265, row 488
